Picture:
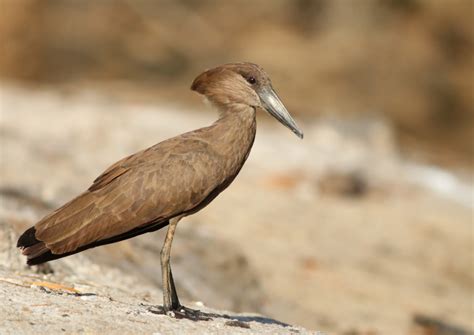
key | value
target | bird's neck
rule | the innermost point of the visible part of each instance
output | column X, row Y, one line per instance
column 240, row 114
column 235, row 131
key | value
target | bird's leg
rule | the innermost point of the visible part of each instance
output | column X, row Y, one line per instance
column 181, row 311
column 175, row 304
column 171, row 304
column 166, row 268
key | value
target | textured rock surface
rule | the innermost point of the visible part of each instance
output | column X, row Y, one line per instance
column 81, row 296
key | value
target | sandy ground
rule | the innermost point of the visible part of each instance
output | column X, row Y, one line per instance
column 336, row 232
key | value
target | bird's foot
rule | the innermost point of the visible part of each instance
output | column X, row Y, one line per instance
column 191, row 314
column 182, row 312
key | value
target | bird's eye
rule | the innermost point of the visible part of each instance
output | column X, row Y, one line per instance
column 251, row 80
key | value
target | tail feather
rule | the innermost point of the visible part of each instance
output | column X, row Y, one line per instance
column 27, row 239
column 37, row 252
column 30, row 245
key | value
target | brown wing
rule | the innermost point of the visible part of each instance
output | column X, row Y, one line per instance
column 164, row 181
column 115, row 171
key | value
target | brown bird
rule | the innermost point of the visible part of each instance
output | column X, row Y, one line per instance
column 158, row 186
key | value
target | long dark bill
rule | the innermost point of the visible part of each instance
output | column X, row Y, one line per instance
column 273, row 105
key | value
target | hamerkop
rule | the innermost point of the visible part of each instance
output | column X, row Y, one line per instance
column 158, row 186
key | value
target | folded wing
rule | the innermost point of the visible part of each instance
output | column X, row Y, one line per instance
column 135, row 195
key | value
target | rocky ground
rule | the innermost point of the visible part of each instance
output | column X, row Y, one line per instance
column 83, row 296
column 337, row 232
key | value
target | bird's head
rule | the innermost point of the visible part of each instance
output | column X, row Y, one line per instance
column 244, row 84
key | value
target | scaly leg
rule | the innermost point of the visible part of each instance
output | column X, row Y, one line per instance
column 175, row 304
column 171, row 304
column 165, row 266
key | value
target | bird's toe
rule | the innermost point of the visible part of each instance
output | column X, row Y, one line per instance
column 190, row 314
column 181, row 312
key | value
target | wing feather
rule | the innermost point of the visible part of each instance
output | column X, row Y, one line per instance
column 166, row 180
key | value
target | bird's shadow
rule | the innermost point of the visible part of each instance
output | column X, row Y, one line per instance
column 238, row 320
column 248, row 318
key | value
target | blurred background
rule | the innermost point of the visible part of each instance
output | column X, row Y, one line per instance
column 363, row 227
